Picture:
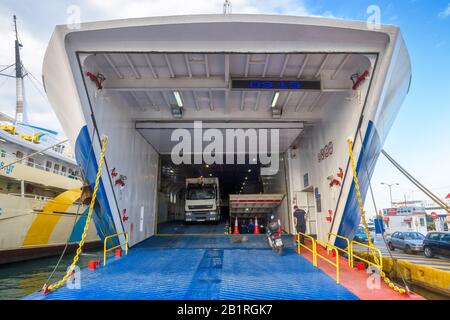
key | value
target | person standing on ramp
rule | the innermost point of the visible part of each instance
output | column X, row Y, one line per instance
column 300, row 222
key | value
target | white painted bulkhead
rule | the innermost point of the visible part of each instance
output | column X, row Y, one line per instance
column 329, row 116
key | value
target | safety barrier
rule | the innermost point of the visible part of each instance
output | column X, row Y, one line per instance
column 313, row 250
column 115, row 247
column 372, row 249
column 328, row 246
column 348, row 251
column 315, row 254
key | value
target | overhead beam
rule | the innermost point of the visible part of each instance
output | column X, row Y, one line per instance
column 137, row 75
column 197, row 106
column 286, row 61
column 113, row 66
column 188, row 65
column 258, row 96
column 266, row 65
column 289, row 95
column 151, row 101
column 341, row 65
column 133, row 95
column 322, row 65
column 247, row 65
column 150, row 83
column 150, row 66
column 207, row 66
column 211, row 105
column 304, row 64
column 242, row 100
column 169, row 65
column 300, row 101
column 227, row 68
column 315, row 103
column 166, row 100
column 227, row 99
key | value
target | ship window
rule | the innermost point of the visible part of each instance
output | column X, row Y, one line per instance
column 48, row 166
column 30, row 162
column 56, row 168
column 19, row 154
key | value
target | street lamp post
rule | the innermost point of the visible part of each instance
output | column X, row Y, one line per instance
column 390, row 185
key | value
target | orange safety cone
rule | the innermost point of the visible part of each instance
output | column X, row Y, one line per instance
column 280, row 229
column 256, row 226
column 236, row 227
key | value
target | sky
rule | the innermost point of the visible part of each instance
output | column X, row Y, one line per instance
column 419, row 139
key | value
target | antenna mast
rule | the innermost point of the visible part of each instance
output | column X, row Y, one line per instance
column 19, row 117
column 227, row 7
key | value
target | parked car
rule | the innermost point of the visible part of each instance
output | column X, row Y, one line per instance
column 437, row 243
column 410, row 242
column 360, row 235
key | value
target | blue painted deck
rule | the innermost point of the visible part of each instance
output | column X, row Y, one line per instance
column 181, row 227
column 205, row 267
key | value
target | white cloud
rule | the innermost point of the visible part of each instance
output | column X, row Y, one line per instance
column 444, row 14
column 113, row 9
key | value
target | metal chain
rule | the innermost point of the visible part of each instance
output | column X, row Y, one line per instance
column 86, row 226
column 364, row 221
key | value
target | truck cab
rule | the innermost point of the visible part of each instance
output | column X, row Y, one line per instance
column 202, row 200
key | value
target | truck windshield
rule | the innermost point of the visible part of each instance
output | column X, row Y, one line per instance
column 201, row 192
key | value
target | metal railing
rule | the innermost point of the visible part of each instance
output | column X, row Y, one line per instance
column 36, row 165
column 315, row 254
column 105, row 251
column 347, row 251
column 312, row 250
column 378, row 265
column 328, row 246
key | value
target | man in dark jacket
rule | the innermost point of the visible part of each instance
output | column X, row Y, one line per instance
column 300, row 222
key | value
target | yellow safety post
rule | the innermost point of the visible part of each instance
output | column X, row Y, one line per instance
column 363, row 218
column 313, row 250
column 86, row 226
column 336, row 263
column 119, row 245
column 349, row 251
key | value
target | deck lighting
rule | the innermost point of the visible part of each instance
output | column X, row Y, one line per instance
column 178, row 98
column 275, row 99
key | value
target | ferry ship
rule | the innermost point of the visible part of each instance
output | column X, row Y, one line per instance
column 40, row 187
column 316, row 81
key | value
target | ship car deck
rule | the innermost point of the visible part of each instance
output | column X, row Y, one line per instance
column 214, row 267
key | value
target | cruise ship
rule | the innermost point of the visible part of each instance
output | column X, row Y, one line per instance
column 40, row 187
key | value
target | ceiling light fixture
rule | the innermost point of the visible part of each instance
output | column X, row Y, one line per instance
column 275, row 99
column 178, row 98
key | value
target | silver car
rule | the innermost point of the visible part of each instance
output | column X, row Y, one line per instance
column 410, row 242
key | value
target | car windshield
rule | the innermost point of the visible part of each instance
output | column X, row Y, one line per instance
column 414, row 236
column 200, row 192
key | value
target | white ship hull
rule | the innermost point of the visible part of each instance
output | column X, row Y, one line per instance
column 227, row 47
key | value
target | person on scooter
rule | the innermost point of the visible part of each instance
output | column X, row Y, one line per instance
column 300, row 222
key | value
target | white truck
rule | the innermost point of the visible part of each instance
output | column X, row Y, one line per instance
column 202, row 200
